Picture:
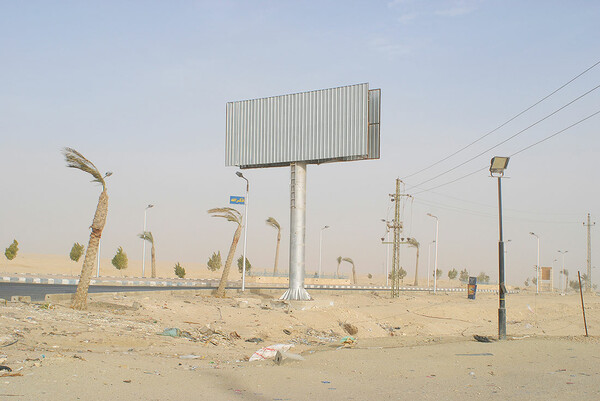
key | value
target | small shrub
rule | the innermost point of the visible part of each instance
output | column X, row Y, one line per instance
column 11, row 251
column 483, row 278
column 527, row 283
column 452, row 274
column 574, row 284
column 214, row 262
column 370, row 275
column 76, row 252
column 240, row 263
column 438, row 272
column 120, row 259
column 179, row 270
column 401, row 273
column 464, row 275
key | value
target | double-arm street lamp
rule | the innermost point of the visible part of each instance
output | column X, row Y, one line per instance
column 537, row 266
column 497, row 167
column 144, row 241
column 239, row 174
column 563, row 264
column 435, row 267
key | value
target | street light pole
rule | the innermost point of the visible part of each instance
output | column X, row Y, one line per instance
column 321, row 247
column 239, row 174
column 144, row 241
column 537, row 266
column 497, row 166
column 437, row 229
column 428, row 262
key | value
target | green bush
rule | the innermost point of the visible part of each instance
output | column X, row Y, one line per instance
column 438, row 272
column 464, row 276
column 76, row 252
column 483, row 278
column 240, row 263
column 452, row 274
column 120, row 259
column 179, row 270
column 11, row 251
column 214, row 262
column 401, row 273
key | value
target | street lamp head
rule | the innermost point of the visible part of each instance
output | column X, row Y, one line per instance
column 498, row 165
column 239, row 174
column 325, row 227
column 431, row 215
column 534, row 234
column 108, row 174
column 149, row 206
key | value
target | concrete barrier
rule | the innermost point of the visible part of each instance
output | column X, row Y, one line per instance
column 20, row 298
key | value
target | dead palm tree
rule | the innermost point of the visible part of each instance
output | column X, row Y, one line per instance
column 414, row 243
column 76, row 160
column 147, row 236
column 275, row 224
column 339, row 260
column 353, row 268
column 235, row 217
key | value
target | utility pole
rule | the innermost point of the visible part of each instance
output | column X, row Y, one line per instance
column 397, row 227
column 589, row 225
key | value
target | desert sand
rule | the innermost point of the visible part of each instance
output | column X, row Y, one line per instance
column 419, row 346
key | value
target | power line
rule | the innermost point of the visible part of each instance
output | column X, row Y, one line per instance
column 516, row 153
column 504, row 123
column 509, row 138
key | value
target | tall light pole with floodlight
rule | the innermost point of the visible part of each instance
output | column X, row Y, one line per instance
column 321, row 247
column 239, row 174
column 144, row 241
column 537, row 266
column 563, row 261
column 497, row 167
column 437, row 230
column 428, row 262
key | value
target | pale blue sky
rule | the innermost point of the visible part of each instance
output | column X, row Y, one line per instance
column 140, row 88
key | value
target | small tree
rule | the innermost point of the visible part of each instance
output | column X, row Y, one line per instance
column 76, row 252
column 534, row 280
column 120, row 260
column 464, row 276
column 214, row 262
column 452, row 274
column 179, row 270
column 370, row 276
column 574, row 284
column 438, row 272
column 483, row 278
column 527, row 282
column 401, row 274
column 11, row 251
column 240, row 263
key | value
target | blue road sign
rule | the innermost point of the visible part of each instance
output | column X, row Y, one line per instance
column 237, row 200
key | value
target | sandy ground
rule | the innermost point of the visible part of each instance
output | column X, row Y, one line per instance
column 415, row 347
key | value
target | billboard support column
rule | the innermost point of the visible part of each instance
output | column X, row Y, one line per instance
column 296, row 289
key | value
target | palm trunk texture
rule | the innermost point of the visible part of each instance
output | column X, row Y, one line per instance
column 277, row 253
column 353, row 274
column 153, row 255
column 223, row 283
column 80, row 300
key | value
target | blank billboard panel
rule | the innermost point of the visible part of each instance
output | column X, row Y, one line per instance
column 326, row 125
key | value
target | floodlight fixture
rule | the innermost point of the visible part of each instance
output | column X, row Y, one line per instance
column 498, row 165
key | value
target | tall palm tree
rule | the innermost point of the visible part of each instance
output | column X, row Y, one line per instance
column 235, row 217
column 353, row 268
column 339, row 260
column 414, row 243
column 147, row 236
column 76, row 160
column 275, row 224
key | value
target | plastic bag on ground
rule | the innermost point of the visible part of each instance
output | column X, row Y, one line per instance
column 270, row 352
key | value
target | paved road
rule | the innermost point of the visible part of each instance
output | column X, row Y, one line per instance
column 38, row 292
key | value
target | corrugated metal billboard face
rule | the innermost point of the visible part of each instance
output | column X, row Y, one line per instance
column 320, row 126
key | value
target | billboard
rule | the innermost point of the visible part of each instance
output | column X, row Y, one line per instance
column 328, row 125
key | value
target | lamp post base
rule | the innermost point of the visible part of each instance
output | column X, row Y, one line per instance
column 501, row 323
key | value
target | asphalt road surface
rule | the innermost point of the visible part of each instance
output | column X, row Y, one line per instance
column 38, row 292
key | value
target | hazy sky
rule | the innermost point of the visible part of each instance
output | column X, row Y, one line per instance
column 140, row 89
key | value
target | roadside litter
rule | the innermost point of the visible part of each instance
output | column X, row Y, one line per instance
column 271, row 351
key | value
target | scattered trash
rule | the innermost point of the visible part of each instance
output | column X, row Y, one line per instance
column 254, row 340
column 171, row 332
column 348, row 340
column 325, row 381
column 482, row 354
column 350, row 329
column 234, row 335
column 191, row 356
column 286, row 331
column 471, row 373
column 79, row 357
column 530, row 310
column 482, row 339
column 11, row 374
column 126, row 381
column 2, row 367
column 270, row 352
column 278, row 358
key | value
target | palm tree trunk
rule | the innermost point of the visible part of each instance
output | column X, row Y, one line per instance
column 223, row 283
column 80, row 300
column 153, row 255
column 337, row 274
column 277, row 253
column 353, row 274
column 416, row 283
